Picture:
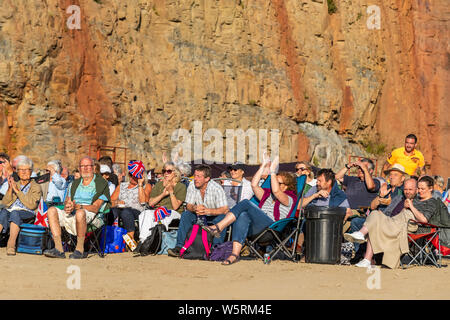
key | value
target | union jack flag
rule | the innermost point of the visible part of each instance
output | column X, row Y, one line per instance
column 41, row 214
column 136, row 168
column 161, row 212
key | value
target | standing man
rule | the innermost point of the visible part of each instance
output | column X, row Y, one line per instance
column 205, row 199
column 410, row 158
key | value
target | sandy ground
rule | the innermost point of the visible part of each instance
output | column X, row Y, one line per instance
column 122, row 276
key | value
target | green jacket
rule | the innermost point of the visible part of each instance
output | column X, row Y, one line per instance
column 101, row 187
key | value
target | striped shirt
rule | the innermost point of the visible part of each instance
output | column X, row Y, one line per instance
column 269, row 206
column 214, row 196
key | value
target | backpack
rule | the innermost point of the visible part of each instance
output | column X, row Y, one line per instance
column 152, row 243
column 197, row 245
column 221, row 251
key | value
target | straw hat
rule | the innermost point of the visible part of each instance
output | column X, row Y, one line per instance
column 396, row 167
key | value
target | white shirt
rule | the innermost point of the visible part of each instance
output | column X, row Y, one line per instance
column 214, row 195
column 247, row 191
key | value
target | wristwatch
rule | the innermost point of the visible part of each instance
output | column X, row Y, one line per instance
column 347, row 166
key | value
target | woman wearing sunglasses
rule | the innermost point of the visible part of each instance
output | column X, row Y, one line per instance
column 304, row 167
column 167, row 194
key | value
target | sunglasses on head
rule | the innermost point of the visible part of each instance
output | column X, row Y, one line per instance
column 169, row 171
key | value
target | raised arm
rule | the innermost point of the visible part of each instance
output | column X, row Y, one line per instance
column 257, row 190
column 275, row 185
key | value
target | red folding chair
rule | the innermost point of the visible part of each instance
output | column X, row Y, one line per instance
column 422, row 246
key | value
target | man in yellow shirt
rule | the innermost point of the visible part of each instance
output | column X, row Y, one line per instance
column 410, row 158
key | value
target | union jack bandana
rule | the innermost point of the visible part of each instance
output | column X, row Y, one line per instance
column 136, row 168
column 161, row 213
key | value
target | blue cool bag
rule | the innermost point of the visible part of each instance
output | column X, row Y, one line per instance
column 32, row 239
column 114, row 239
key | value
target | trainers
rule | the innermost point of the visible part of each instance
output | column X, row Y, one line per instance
column 77, row 255
column 364, row 263
column 357, row 237
column 175, row 252
column 54, row 253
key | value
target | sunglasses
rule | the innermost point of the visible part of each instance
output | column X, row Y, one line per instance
column 169, row 171
column 301, row 168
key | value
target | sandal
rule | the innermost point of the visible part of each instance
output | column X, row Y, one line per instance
column 214, row 230
column 11, row 251
column 229, row 261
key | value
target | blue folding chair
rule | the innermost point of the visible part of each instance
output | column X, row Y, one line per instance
column 282, row 232
column 265, row 185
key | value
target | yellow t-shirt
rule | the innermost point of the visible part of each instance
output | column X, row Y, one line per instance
column 410, row 163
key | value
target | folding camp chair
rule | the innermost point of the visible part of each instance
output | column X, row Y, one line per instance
column 92, row 240
column 233, row 194
column 281, row 232
column 422, row 246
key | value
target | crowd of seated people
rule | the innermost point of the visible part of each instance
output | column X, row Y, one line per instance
column 377, row 208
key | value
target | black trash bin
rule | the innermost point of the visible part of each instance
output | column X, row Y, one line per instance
column 323, row 234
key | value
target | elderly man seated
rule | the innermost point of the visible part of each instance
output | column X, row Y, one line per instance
column 86, row 197
column 390, row 199
column 21, row 199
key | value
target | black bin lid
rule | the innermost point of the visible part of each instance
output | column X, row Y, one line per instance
column 313, row 212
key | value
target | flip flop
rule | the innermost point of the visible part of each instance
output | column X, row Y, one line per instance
column 229, row 261
column 214, row 230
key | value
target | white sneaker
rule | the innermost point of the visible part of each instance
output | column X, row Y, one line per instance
column 357, row 237
column 364, row 263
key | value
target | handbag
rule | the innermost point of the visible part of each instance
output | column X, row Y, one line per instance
column 114, row 239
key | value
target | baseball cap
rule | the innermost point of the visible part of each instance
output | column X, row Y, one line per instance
column 237, row 166
column 104, row 168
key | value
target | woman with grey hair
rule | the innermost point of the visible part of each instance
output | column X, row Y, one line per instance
column 21, row 201
column 185, row 171
column 57, row 185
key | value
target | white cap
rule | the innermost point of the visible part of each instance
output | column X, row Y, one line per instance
column 104, row 168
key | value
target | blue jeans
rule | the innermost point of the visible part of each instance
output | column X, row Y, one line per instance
column 188, row 219
column 15, row 216
column 355, row 225
column 128, row 216
column 250, row 220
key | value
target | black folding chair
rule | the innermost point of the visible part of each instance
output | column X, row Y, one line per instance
column 92, row 242
column 282, row 232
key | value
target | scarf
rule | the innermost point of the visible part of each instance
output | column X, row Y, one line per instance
column 276, row 208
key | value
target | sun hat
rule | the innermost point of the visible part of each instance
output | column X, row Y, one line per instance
column 396, row 167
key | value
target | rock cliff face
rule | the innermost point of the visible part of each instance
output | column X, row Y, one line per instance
column 137, row 70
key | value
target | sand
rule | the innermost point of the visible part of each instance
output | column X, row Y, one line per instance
column 122, row 276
